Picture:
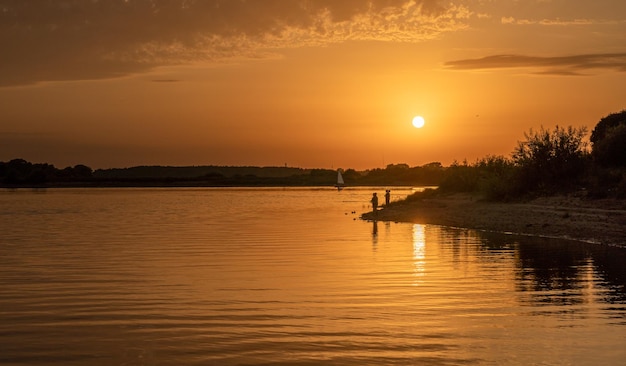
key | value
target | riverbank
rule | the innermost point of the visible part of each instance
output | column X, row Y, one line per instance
column 597, row 221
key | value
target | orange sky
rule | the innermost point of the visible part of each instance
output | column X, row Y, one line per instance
column 314, row 84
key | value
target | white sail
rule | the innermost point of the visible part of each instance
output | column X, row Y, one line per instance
column 339, row 178
column 340, row 184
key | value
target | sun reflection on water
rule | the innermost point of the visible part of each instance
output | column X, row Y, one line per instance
column 419, row 253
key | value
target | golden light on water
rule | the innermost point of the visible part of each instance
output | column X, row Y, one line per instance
column 419, row 252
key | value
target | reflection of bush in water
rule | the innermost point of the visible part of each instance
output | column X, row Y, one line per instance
column 556, row 269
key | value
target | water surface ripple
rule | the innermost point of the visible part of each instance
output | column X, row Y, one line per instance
column 290, row 276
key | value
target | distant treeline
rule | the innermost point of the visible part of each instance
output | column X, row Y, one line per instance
column 21, row 173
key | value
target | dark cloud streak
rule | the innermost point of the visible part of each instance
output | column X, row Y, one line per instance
column 562, row 65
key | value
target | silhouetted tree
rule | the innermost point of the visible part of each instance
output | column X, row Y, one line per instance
column 433, row 165
column 497, row 177
column 460, row 177
column 551, row 159
column 610, row 121
column 20, row 172
column 16, row 171
column 401, row 166
column 608, row 140
column 82, row 171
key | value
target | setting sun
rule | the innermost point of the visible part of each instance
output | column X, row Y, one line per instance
column 261, row 86
column 418, row 121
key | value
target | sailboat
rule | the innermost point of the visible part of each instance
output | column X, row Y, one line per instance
column 340, row 184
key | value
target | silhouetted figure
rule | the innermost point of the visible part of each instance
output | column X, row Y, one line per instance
column 374, row 202
column 387, row 196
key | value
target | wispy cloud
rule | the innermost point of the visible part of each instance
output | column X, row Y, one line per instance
column 561, row 65
column 558, row 21
column 76, row 39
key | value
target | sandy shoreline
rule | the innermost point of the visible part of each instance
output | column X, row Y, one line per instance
column 597, row 221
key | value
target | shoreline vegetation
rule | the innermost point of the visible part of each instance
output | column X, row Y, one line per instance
column 599, row 221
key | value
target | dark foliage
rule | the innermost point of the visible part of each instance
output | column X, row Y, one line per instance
column 402, row 174
column 460, row 178
column 605, row 182
column 185, row 172
column 609, row 141
column 492, row 175
column 551, row 160
column 19, row 172
column 605, row 124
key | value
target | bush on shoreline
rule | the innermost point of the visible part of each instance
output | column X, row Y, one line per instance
column 548, row 162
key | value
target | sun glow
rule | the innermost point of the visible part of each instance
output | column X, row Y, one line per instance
column 418, row 121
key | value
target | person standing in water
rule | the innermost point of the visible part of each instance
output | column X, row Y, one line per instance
column 374, row 202
column 387, row 196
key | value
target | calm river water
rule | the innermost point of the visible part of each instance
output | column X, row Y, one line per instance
column 290, row 277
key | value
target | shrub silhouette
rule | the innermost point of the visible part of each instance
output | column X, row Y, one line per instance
column 609, row 140
column 551, row 160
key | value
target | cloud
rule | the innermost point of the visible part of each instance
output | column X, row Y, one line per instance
column 562, row 65
column 558, row 22
column 507, row 20
column 79, row 39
